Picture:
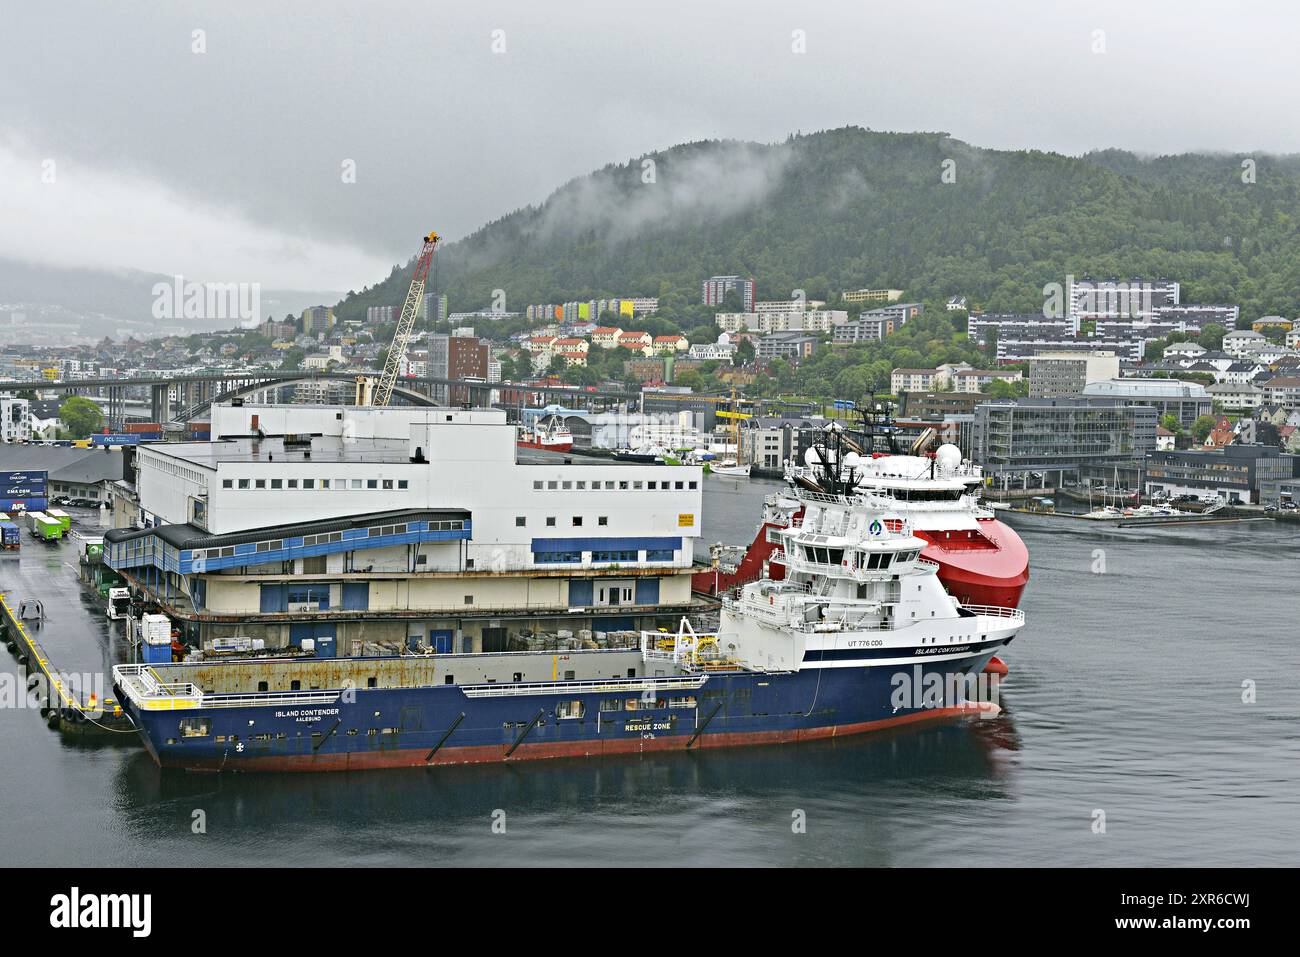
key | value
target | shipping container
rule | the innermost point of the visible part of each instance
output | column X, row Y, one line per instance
column 150, row 427
column 62, row 517
column 9, row 535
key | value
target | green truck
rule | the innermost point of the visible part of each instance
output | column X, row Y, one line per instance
column 62, row 517
column 45, row 528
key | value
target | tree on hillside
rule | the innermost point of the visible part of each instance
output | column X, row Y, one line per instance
column 80, row 416
column 1212, row 336
column 1202, row 427
column 744, row 352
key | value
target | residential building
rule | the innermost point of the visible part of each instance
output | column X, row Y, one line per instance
column 1268, row 323
column 1283, row 391
column 1090, row 299
column 317, row 320
column 912, row 380
column 1197, row 317
column 15, row 418
column 606, row 336
column 899, row 312
column 1064, row 374
column 671, row 343
column 1234, row 397
column 706, row 351
column 791, row 345
column 1189, row 350
column 1129, row 351
column 434, row 307
column 1241, row 341
column 863, row 330
column 715, row 289
column 858, row 296
column 977, row 380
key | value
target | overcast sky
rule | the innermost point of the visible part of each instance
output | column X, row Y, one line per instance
column 229, row 164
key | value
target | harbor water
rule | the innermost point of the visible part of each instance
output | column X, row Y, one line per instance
column 1151, row 717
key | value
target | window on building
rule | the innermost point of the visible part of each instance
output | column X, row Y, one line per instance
column 557, row 558
column 293, row 483
column 372, row 483
column 550, row 521
column 537, row 486
column 552, row 485
column 243, row 483
column 602, row 520
column 469, row 599
column 403, row 483
column 308, row 483
column 227, row 483
column 577, row 521
column 388, row 483
column 520, row 521
column 277, row 483
column 659, row 555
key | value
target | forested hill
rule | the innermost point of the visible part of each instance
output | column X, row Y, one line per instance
column 849, row 208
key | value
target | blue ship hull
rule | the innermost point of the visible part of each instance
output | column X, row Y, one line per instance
column 403, row 727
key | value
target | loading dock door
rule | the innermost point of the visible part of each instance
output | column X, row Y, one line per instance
column 440, row 641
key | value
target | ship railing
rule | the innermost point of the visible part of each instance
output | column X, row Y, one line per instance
column 605, row 685
column 141, row 684
column 927, row 564
column 996, row 611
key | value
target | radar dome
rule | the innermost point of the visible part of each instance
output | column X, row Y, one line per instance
column 948, row 457
column 811, row 457
column 852, row 460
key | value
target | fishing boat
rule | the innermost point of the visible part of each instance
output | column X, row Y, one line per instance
column 548, row 433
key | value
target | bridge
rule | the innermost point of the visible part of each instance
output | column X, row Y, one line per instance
column 184, row 398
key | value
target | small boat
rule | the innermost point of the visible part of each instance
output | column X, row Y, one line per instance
column 644, row 453
column 730, row 468
column 548, row 433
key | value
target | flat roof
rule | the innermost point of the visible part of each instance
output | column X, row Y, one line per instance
column 185, row 537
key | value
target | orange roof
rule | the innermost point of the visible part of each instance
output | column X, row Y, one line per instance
column 676, row 338
column 605, row 330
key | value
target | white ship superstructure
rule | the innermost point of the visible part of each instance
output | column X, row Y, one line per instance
column 855, row 587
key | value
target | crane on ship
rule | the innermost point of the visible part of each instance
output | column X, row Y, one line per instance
column 402, row 335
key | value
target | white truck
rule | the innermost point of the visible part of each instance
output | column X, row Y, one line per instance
column 119, row 603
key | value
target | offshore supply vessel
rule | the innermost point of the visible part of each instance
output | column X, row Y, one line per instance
column 859, row 634
column 980, row 559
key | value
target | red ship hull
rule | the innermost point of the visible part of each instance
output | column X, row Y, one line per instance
column 545, row 446
column 984, row 566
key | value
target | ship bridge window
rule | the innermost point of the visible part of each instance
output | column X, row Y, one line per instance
column 836, row 555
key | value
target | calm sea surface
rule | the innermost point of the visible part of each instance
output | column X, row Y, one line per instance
column 1124, row 699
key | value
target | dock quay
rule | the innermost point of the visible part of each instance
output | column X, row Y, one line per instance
column 54, row 627
column 67, row 708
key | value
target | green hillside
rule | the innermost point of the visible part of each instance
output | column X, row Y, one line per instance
column 848, row 208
